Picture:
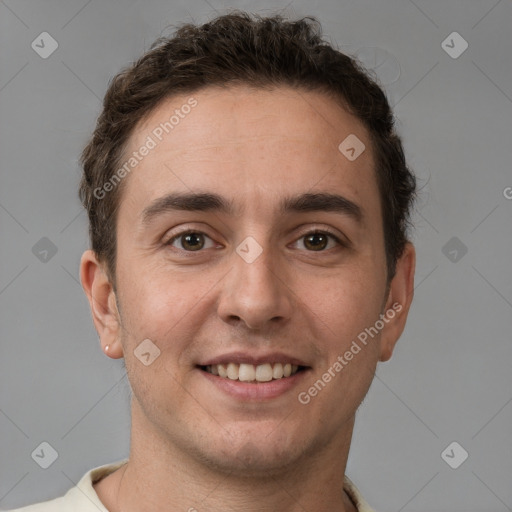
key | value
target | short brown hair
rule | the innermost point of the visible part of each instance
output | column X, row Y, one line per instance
column 263, row 52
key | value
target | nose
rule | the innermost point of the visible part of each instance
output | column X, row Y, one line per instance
column 256, row 293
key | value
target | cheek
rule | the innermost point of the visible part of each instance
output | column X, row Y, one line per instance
column 346, row 311
column 165, row 308
column 343, row 308
column 162, row 309
column 347, row 303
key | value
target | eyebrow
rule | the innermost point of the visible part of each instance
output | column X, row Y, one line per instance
column 322, row 202
column 193, row 202
column 209, row 202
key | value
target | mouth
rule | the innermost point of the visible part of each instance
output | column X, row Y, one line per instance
column 254, row 374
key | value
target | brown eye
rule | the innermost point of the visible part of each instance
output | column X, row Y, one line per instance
column 316, row 241
column 319, row 241
column 190, row 241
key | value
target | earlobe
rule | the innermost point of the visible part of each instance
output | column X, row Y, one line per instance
column 401, row 292
column 101, row 296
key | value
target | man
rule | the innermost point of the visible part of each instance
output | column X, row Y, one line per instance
column 248, row 202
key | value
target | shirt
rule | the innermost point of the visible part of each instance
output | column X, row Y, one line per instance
column 83, row 497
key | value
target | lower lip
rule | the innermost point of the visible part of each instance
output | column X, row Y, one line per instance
column 255, row 391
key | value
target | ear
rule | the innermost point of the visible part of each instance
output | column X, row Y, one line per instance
column 102, row 299
column 398, row 302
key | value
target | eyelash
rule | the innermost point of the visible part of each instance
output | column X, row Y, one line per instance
column 323, row 231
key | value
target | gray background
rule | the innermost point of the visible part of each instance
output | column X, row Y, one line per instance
column 449, row 379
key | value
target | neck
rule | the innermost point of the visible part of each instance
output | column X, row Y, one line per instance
column 160, row 476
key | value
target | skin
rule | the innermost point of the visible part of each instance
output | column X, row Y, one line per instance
column 192, row 445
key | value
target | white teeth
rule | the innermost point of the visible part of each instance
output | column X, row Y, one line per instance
column 264, row 373
column 277, row 371
column 250, row 373
column 232, row 371
column 221, row 369
column 246, row 373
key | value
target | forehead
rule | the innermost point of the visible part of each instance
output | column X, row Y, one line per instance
column 246, row 142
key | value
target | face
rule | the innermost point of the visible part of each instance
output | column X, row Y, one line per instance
column 248, row 243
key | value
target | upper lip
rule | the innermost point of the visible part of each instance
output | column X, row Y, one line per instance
column 252, row 358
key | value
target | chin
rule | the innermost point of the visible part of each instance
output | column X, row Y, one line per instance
column 261, row 455
column 251, row 461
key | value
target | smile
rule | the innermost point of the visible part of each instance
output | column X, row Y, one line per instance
column 265, row 372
